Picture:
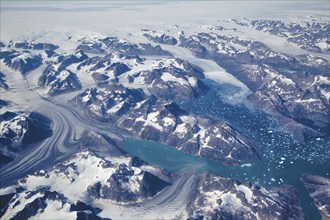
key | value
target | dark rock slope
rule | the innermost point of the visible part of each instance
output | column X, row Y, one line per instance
column 294, row 91
column 151, row 118
column 221, row 198
column 18, row 130
column 319, row 189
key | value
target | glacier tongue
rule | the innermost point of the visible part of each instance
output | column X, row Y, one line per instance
column 211, row 70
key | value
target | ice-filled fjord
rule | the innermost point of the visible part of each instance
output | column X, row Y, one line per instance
column 164, row 110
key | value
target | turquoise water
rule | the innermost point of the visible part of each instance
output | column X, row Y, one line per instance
column 173, row 160
column 282, row 159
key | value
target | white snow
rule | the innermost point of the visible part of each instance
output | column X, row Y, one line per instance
column 150, row 169
column 24, row 56
column 326, row 94
column 63, row 75
column 150, row 64
column 73, row 183
column 211, row 70
column 272, row 74
column 115, row 108
column 52, row 21
column 188, row 119
column 135, row 180
column 323, row 45
column 192, row 81
column 86, row 98
column 319, row 80
column 56, row 210
column 139, row 104
column 151, row 120
column 22, row 202
column 307, row 100
column 7, row 190
column 247, row 192
column 276, row 43
column 81, row 171
column 168, row 121
column 181, row 129
column 119, row 160
column 231, row 200
column 85, row 78
column 212, row 199
column 167, row 77
column 285, row 80
column 13, row 125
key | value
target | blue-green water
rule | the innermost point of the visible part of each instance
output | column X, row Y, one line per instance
column 173, row 160
column 282, row 159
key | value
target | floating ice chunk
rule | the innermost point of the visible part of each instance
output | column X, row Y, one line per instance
column 246, row 165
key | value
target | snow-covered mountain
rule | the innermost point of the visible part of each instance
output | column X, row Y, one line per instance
column 80, row 186
column 87, row 185
column 155, row 119
column 221, row 198
column 19, row 130
column 3, row 83
column 283, row 86
column 245, row 100
column 159, row 37
column 23, row 61
column 311, row 36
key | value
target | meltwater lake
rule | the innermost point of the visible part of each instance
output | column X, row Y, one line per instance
column 283, row 160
